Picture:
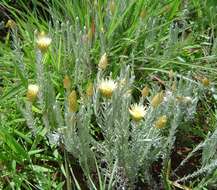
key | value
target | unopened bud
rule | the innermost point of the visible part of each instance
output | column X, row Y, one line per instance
column 171, row 74
column 173, row 87
column 66, row 82
column 10, row 24
column 112, row 7
column 103, row 62
column 89, row 91
column 161, row 122
column 91, row 31
column 143, row 13
column 72, row 101
column 157, row 99
column 145, row 91
column 184, row 99
column 205, row 81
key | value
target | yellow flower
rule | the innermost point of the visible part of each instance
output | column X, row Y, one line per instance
column 161, row 122
column 106, row 87
column 103, row 62
column 32, row 92
column 72, row 101
column 43, row 42
column 137, row 112
column 157, row 99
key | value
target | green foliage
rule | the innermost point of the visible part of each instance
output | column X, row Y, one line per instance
column 143, row 41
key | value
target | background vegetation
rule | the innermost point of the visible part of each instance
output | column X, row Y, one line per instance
column 147, row 43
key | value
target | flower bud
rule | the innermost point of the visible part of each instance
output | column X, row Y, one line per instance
column 171, row 74
column 89, row 35
column 91, row 31
column 112, row 7
column 10, row 24
column 103, row 62
column 89, row 91
column 143, row 13
column 161, row 122
column 173, row 87
column 184, row 99
column 72, row 101
column 145, row 91
column 157, row 99
column 66, row 82
column 205, row 81
column 32, row 92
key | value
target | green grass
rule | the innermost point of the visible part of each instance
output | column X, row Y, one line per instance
column 154, row 37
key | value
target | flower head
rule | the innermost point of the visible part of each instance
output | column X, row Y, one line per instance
column 137, row 111
column 43, row 42
column 106, row 87
column 32, row 92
